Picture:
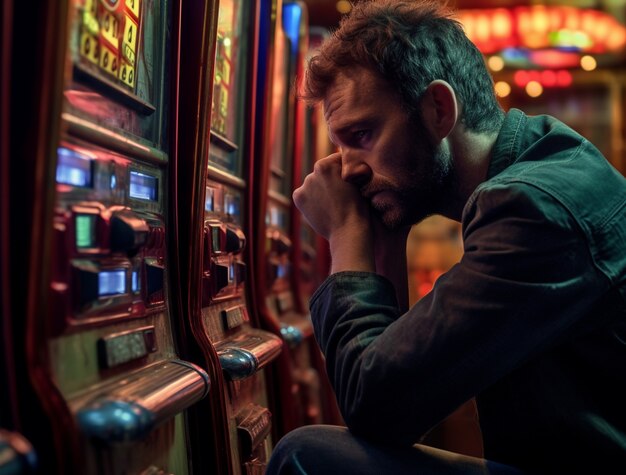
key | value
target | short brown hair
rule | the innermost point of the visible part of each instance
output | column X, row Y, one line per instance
column 409, row 44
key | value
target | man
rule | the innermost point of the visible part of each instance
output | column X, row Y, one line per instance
column 531, row 322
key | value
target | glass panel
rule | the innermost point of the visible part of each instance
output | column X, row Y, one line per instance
column 280, row 141
column 231, row 76
column 119, row 52
column 225, row 82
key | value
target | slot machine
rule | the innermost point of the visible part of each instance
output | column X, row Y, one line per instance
column 100, row 332
column 223, row 319
column 295, row 383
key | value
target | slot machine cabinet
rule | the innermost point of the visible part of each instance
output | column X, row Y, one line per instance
column 223, row 320
column 295, row 383
column 101, row 332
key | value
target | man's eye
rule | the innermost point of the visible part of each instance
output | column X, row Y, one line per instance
column 361, row 134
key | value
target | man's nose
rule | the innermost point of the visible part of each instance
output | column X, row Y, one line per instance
column 353, row 168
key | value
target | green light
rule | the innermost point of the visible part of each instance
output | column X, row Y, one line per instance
column 84, row 231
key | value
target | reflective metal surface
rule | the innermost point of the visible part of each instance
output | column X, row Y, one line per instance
column 245, row 354
column 129, row 409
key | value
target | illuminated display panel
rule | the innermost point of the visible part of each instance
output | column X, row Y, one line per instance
column 278, row 217
column 143, row 187
column 73, row 168
column 227, row 107
column 215, row 239
column 282, row 271
column 231, row 272
column 232, row 206
column 279, row 180
column 119, row 53
column 135, row 286
column 85, row 230
column 208, row 200
column 108, row 35
column 111, row 282
column 225, row 81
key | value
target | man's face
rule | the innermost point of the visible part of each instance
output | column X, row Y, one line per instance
column 386, row 154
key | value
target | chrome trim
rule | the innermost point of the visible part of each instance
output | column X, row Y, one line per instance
column 128, row 409
column 225, row 177
column 282, row 199
column 248, row 352
column 107, row 138
column 292, row 335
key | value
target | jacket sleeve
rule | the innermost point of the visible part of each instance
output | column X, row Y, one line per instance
column 525, row 281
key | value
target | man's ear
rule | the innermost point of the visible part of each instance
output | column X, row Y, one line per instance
column 439, row 109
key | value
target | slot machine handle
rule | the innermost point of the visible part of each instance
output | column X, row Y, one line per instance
column 128, row 409
column 292, row 335
column 16, row 454
column 246, row 354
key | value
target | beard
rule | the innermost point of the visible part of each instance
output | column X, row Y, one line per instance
column 421, row 191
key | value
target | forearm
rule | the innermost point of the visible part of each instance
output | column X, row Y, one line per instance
column 352, row 249
column 391, row 262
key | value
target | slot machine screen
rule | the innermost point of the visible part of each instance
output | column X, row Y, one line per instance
column 279, row 179
column 228, row 90
column 119, row 51
column 111, row 282
column 143, row 187
column 85, row 230
column 73, row 168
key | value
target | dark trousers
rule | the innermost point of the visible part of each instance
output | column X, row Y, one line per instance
column 328, row 450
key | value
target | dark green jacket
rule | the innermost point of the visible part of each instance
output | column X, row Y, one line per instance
column 531, row 322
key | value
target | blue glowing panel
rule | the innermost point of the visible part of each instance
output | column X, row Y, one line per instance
column 135, row 282
column 73, row 168
column 111, row 282
column 143, row 187
column 208, row 202
column 292, row 16
column 232, row 204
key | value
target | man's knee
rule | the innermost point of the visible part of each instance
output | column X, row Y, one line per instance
column 305, row 450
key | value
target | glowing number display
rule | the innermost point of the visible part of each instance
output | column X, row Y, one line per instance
column 109, row 31
column 133, row 6
column 224, row 94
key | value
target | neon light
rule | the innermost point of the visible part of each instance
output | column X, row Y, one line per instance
column 541, row 26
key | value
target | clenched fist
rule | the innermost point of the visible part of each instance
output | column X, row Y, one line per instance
column 336, row 210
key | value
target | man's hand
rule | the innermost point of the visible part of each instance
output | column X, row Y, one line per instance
column 336, row 210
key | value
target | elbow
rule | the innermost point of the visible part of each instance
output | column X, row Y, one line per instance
column 369, row 414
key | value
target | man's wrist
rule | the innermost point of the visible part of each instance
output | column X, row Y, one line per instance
column 352, row 250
